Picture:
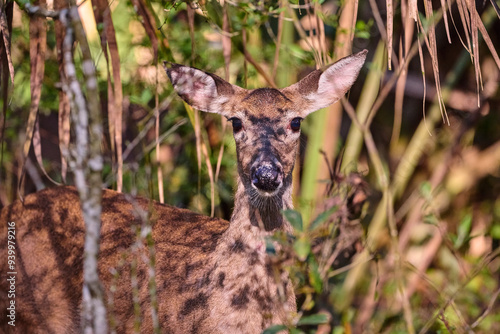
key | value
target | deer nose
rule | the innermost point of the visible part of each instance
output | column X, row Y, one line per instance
column 267, row 177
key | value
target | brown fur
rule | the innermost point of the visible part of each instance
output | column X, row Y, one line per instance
column 211, row 276
column 49, row 249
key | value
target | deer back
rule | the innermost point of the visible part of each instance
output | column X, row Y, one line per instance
column 49, row 250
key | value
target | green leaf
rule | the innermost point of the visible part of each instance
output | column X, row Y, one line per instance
column 426, row 190
column 314, row 276
column 363, row 34
column 274, row 329
column 322, row 217
column 294, row 218
column 463, row 231
column 296, row 331
column 315, row 319
column 308, row 303
column 495, row 231
column 302, row 247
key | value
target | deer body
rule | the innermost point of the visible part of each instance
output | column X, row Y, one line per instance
column 211, row 276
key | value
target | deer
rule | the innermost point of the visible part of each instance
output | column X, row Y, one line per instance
column 211, row 275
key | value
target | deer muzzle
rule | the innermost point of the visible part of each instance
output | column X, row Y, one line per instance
column 267, row 178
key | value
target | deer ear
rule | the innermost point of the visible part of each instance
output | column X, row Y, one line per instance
column 201, row 90
column 321, row 88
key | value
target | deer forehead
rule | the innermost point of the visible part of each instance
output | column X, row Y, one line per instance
column 265, row 104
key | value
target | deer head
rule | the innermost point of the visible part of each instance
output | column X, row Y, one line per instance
column 266, row 121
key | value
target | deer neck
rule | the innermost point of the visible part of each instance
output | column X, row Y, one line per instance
column 243, row 282
column 262, row 215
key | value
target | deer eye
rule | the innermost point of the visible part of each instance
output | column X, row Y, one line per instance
column 237, row 124
column 295, row 124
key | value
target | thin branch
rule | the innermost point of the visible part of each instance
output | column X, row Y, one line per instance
column 86, row 116
column 492, row 302
column 37, row 10
column 256, row 65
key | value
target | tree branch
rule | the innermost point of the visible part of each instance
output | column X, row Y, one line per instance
column 87, row 166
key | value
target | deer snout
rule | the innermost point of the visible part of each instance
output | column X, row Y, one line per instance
column 267, row 177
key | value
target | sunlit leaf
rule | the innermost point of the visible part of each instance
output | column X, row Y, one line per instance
column 315, row 319
column 302, row 247
column 314, row 276
column 426, row 190
column 495, row 231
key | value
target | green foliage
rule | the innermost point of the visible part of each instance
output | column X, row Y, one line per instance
column 463, row 232
column 274, row 329
column 315, row 319
column 295, row 219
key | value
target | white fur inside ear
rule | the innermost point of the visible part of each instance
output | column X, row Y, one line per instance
column 335, row 81
column 196, row 87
